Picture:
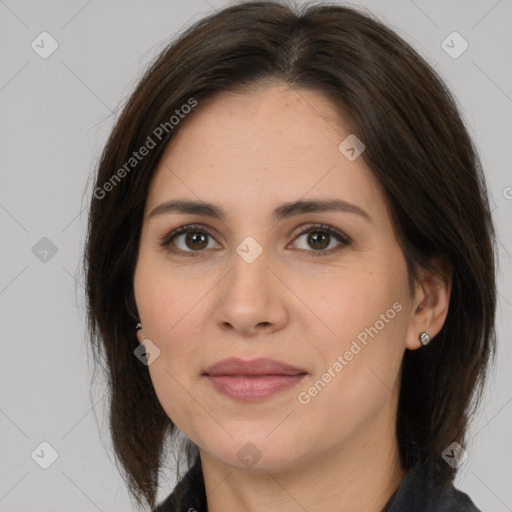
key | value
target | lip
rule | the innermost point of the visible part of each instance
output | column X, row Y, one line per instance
column 261, row 366
column 253, row 380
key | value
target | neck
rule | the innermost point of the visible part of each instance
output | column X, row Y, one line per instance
column 360, row 476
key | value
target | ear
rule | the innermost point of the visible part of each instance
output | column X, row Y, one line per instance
column 430, row 304
column 140, row 335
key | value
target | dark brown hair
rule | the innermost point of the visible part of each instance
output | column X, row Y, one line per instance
column 416, row 147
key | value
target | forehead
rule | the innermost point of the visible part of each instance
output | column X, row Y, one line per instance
column 275, row 115
column 273, row 144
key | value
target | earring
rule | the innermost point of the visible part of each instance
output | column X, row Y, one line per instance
column 138, row 326
column 424, row 338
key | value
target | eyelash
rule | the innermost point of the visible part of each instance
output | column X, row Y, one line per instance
column 165, row 242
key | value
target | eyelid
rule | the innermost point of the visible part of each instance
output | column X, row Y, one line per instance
column 166, row 240
column 343, row 239
column 340, row 236
column 310, row 226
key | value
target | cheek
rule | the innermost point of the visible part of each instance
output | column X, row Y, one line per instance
column 173, row 321
column 177, row 397
column 362, row 349
column 165, row 306
column 164, row 301
column 358, row 303
column 359, row 378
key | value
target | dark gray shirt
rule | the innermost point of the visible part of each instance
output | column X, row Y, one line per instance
column 418, row 492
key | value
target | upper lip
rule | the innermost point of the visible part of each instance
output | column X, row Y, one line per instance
column 262, row 366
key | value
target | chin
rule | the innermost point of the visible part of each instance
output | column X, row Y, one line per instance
column 257, row 453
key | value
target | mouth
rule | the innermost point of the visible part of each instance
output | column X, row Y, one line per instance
column 253, row 367
column 254, row 380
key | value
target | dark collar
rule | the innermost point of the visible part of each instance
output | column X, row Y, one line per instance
column 418, row 492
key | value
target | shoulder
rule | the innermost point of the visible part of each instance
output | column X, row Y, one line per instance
column 419, row 492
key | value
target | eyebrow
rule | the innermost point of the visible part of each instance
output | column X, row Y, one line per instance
column 282, row 212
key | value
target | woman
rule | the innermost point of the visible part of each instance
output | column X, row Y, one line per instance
column 290, row 260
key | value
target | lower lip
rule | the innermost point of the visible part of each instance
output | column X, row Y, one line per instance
column 250, row 388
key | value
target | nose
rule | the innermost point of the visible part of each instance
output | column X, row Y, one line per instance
column 252, row 299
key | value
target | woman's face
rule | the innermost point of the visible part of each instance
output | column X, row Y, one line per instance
column 332, row 302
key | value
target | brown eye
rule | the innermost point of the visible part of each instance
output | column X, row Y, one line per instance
column 192, row 240
column 196, row 240
column 187, row 240
column 319, row 238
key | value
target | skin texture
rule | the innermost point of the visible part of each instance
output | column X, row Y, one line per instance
column 249, row 153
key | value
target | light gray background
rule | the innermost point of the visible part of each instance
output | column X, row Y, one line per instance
column 56, row 114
